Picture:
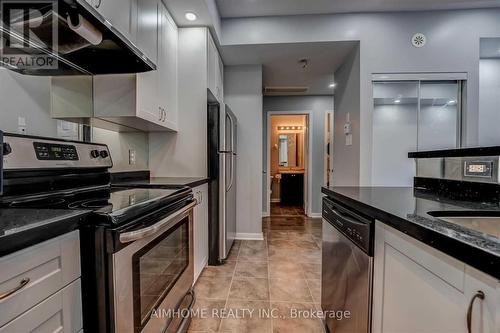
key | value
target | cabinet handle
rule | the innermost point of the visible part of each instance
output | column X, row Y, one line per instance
column 98, row 4
column 21, row 285
column 159, row 114
column 479, row 294
column 164, row 114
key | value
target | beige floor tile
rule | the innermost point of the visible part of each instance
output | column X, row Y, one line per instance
column 253, row 270
column 311, row 270
column 249, row 289
column 233, row 254
column 212, row 287
column 295, row 318
column 251, row 317
column 204, row 321
column 249, row 254
column 315, row 289
column 285, row 270
column 289, row 290
column 254, row 244
column 223, row 270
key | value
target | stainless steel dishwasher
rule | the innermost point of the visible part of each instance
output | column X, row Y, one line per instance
column 347, row 269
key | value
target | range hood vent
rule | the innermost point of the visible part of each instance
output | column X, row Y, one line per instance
column 285, row 90
column 65, row 37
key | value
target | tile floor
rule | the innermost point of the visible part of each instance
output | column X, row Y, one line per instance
column 278, row 276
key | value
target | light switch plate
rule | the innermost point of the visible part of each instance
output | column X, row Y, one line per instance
column 131, row 157
column 348, row 140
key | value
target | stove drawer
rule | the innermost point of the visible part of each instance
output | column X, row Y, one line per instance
column 29, row 276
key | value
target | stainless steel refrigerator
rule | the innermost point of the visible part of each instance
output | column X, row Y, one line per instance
column 222, row 159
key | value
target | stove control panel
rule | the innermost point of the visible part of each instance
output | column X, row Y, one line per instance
column 55, row 152
column 32, row 152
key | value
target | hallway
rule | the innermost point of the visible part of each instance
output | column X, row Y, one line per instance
column 265, row 283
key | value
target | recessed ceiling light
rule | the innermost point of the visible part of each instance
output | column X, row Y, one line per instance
column 397, row 101
column 332, row 85
column 190, row 16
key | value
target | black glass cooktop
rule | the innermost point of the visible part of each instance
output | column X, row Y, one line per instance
column 116, row 204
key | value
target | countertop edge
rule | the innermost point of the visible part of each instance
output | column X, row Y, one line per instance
column 489, row 263
column 27, row 238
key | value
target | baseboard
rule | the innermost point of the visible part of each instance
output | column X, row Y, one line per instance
column 275, row 200
column 249, row 236
column 314, row 215
column 265, row 214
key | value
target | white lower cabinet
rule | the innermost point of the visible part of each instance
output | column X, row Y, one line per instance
column 200, row 230
column 61, row 312
column 41, row 287
column 417, row 289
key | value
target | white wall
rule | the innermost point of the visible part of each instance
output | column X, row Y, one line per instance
column 184, row 154
column 452, row 46
column 346, row 158
column 489, row 102
column 243, row 93
column 318, row 106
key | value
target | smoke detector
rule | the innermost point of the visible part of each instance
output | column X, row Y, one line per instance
column 418, row 40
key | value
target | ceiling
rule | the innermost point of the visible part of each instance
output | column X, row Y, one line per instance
column 281, row 63
column 252, row 8
column 490, row 48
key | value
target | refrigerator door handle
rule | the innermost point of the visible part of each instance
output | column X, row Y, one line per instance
column 232, row 174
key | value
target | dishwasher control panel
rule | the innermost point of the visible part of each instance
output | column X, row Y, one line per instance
column 357, row 228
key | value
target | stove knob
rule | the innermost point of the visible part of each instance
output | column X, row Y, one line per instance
column 104, row 153
column 94, row 153
column 7, row 149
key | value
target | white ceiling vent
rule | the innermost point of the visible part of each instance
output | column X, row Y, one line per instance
column 285, row 90
column 418, row 40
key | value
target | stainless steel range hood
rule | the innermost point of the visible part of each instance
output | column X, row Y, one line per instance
column 67, row 37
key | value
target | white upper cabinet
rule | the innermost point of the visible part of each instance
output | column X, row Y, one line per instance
column 147, row 28
column 215, row 70
column 144, row 101
column 122, row 14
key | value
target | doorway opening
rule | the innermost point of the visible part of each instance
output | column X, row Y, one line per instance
column 288, row 151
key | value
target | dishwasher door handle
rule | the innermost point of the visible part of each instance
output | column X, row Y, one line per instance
column 341, row 216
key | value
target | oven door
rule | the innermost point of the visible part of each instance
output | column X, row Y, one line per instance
column 153, row 274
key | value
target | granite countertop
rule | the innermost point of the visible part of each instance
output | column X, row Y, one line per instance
column 166, row 181
column 21, row 228
column 406, row 210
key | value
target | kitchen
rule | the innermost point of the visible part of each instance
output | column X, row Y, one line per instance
column 136, row 166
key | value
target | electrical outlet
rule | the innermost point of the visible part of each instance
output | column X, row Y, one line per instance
column 21, row 125
column 131, row 157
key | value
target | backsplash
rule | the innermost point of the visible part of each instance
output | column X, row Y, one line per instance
column 27, row 98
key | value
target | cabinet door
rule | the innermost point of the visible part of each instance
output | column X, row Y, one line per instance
column 148, row 106
column 121, row 13
column 147, row 28
column 419, row 289
column 212, row 64
column 167, row 71
column 200, row 231
column 220, row 78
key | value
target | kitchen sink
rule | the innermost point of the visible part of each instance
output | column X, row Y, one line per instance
column 486, row 222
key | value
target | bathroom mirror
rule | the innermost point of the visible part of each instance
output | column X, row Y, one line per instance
column 288, row 145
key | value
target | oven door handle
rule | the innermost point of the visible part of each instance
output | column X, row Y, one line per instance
column 132, row 236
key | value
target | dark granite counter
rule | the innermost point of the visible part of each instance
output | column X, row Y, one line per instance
column 142, row 178
column 407, row 210
column 166, row 181
column 21, row 228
